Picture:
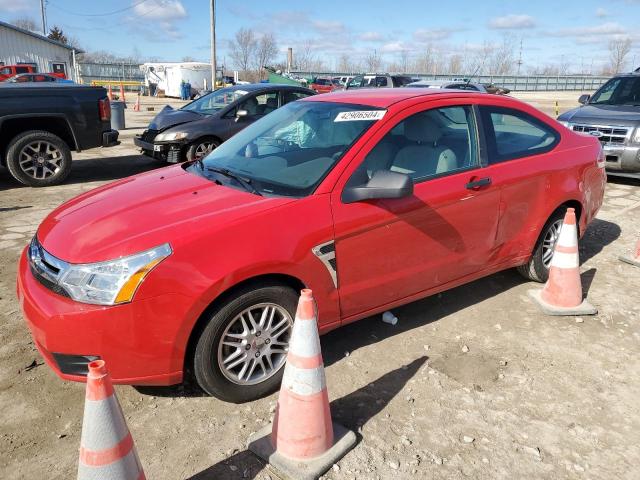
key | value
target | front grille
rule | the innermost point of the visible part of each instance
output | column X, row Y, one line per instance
column 149, row 135
column 608, row 135
column 46, row 268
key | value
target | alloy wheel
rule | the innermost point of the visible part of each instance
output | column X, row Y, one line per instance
column 254, row 345
column 40, row 159
column 202, row 150
column 549, row 242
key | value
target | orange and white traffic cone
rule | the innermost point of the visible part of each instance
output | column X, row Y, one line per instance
column 562, row 294
column 122, row 99
column 303, row 442
column 110, row 93
column 635, row 259
column 136, row 106
column 106, row 446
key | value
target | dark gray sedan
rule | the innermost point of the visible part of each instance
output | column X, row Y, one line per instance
column 191, row 132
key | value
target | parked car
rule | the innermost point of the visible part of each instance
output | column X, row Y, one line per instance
column 371, row 198
column 378, row 81
column 40, row 123
column 325, row 85
column 36, row 77
column 8, row 71
column 612, row 115
column 459, row 85
column 194, row 130
column 343, row 80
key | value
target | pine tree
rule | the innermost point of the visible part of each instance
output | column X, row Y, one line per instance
column 58, row 35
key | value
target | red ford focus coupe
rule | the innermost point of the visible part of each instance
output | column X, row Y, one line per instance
column 371, row 198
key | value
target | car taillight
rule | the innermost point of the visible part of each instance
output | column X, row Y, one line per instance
column 105, row 109
column 601, row 161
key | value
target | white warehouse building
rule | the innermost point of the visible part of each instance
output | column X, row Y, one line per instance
column 19, row 46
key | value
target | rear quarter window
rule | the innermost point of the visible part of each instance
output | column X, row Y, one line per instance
column 514, row 134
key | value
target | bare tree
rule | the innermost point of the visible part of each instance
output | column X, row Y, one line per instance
column 243, row 49
column 404, row 61
column 188, row 59
column 618, row 51
column 266, row 51
column 455, row 63
column 372, row 62
column 304, row 57
column 26, row 23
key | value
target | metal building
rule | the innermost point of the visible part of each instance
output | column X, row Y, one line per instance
column 19, row 46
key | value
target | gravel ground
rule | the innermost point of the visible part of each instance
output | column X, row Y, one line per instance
column 474, row 382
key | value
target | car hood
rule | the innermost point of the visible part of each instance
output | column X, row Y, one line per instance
column 169, row 117
column 626, row 115
column 143, row 211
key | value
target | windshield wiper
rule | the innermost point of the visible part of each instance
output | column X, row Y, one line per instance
column 244, row 182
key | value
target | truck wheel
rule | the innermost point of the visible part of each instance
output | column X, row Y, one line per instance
column 38, row 158
column 241, row 352
column 201, row 148
column 537, row 268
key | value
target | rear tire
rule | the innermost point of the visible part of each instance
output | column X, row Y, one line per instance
column 258, row 345
column 537, row 268
column 38, row 158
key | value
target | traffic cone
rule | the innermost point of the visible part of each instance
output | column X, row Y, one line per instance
column 136, row 106
column 106, row 446
column 110, row 93
column 562, row 294
column 303, row 442
column 122, row 93
column 635, row 259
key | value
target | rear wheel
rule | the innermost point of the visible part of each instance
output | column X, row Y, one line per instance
column 201, row 148
column 537, row 268
column 242, row 350
column 38, row 158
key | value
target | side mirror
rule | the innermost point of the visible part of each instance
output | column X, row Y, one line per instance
column 240, row 114
column 584, row 99
column 383, row 184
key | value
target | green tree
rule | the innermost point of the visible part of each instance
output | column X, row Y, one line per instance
column 58, row 35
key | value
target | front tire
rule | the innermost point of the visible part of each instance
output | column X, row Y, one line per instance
column 241, row 352
column 38, row 158
column 201, row 148
column 537, row 268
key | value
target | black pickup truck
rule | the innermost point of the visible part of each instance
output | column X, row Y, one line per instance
column 40, row 125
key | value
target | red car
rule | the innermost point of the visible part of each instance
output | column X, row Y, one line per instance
column 372, row 198
column 325, row 85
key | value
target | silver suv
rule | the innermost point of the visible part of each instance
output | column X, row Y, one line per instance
column 612, row 114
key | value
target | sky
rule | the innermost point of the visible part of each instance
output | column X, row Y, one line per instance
column 551, row 31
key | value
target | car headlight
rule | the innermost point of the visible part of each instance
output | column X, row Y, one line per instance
column 112, row 282
column 565, row 124
column 636, row 135
column 170, row 136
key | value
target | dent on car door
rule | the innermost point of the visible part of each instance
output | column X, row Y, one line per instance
column 390, row 249
column 520, row 154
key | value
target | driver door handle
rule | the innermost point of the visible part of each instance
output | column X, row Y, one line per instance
column 477, row 184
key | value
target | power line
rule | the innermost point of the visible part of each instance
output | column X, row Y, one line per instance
column 100, row 14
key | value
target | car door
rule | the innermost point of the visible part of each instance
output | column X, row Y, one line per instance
column 519, row 152
column 387, row 250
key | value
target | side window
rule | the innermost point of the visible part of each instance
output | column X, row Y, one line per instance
column 5, row 71
column 22, row 69
column 356, row 82
column 513, row 134
column 381, row 82
column 425, row 145
column 288, row 97
column 260, row 104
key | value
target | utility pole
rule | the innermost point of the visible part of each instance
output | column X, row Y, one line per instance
column 213, row 45
column 520, row 57
column 44, row 17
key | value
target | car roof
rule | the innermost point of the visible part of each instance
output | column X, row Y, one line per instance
column 385, row 97
column 250, row 87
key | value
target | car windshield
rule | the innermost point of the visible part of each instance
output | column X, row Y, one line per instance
column 618, row 91
column 288, row 152
column 215, row 101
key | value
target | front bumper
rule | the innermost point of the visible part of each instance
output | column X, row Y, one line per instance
column 169, row 152
column 139, row 340
column 622, row 160
column 110, row 138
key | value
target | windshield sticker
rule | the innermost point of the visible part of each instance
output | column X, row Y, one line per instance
column 360, row 115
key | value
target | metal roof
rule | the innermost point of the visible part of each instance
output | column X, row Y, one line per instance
column 39, row 37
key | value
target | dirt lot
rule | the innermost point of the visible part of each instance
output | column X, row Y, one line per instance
column 474, row 382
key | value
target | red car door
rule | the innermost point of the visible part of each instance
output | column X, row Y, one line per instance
column 387, row 250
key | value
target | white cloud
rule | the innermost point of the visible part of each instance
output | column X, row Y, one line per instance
column 512, row 22
column 426, row 36
column 371, row 37
column 601, row 13
column 604, row 29
column 328, row 27
column 167, row 10
column 13, row 6
column 394, row 47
